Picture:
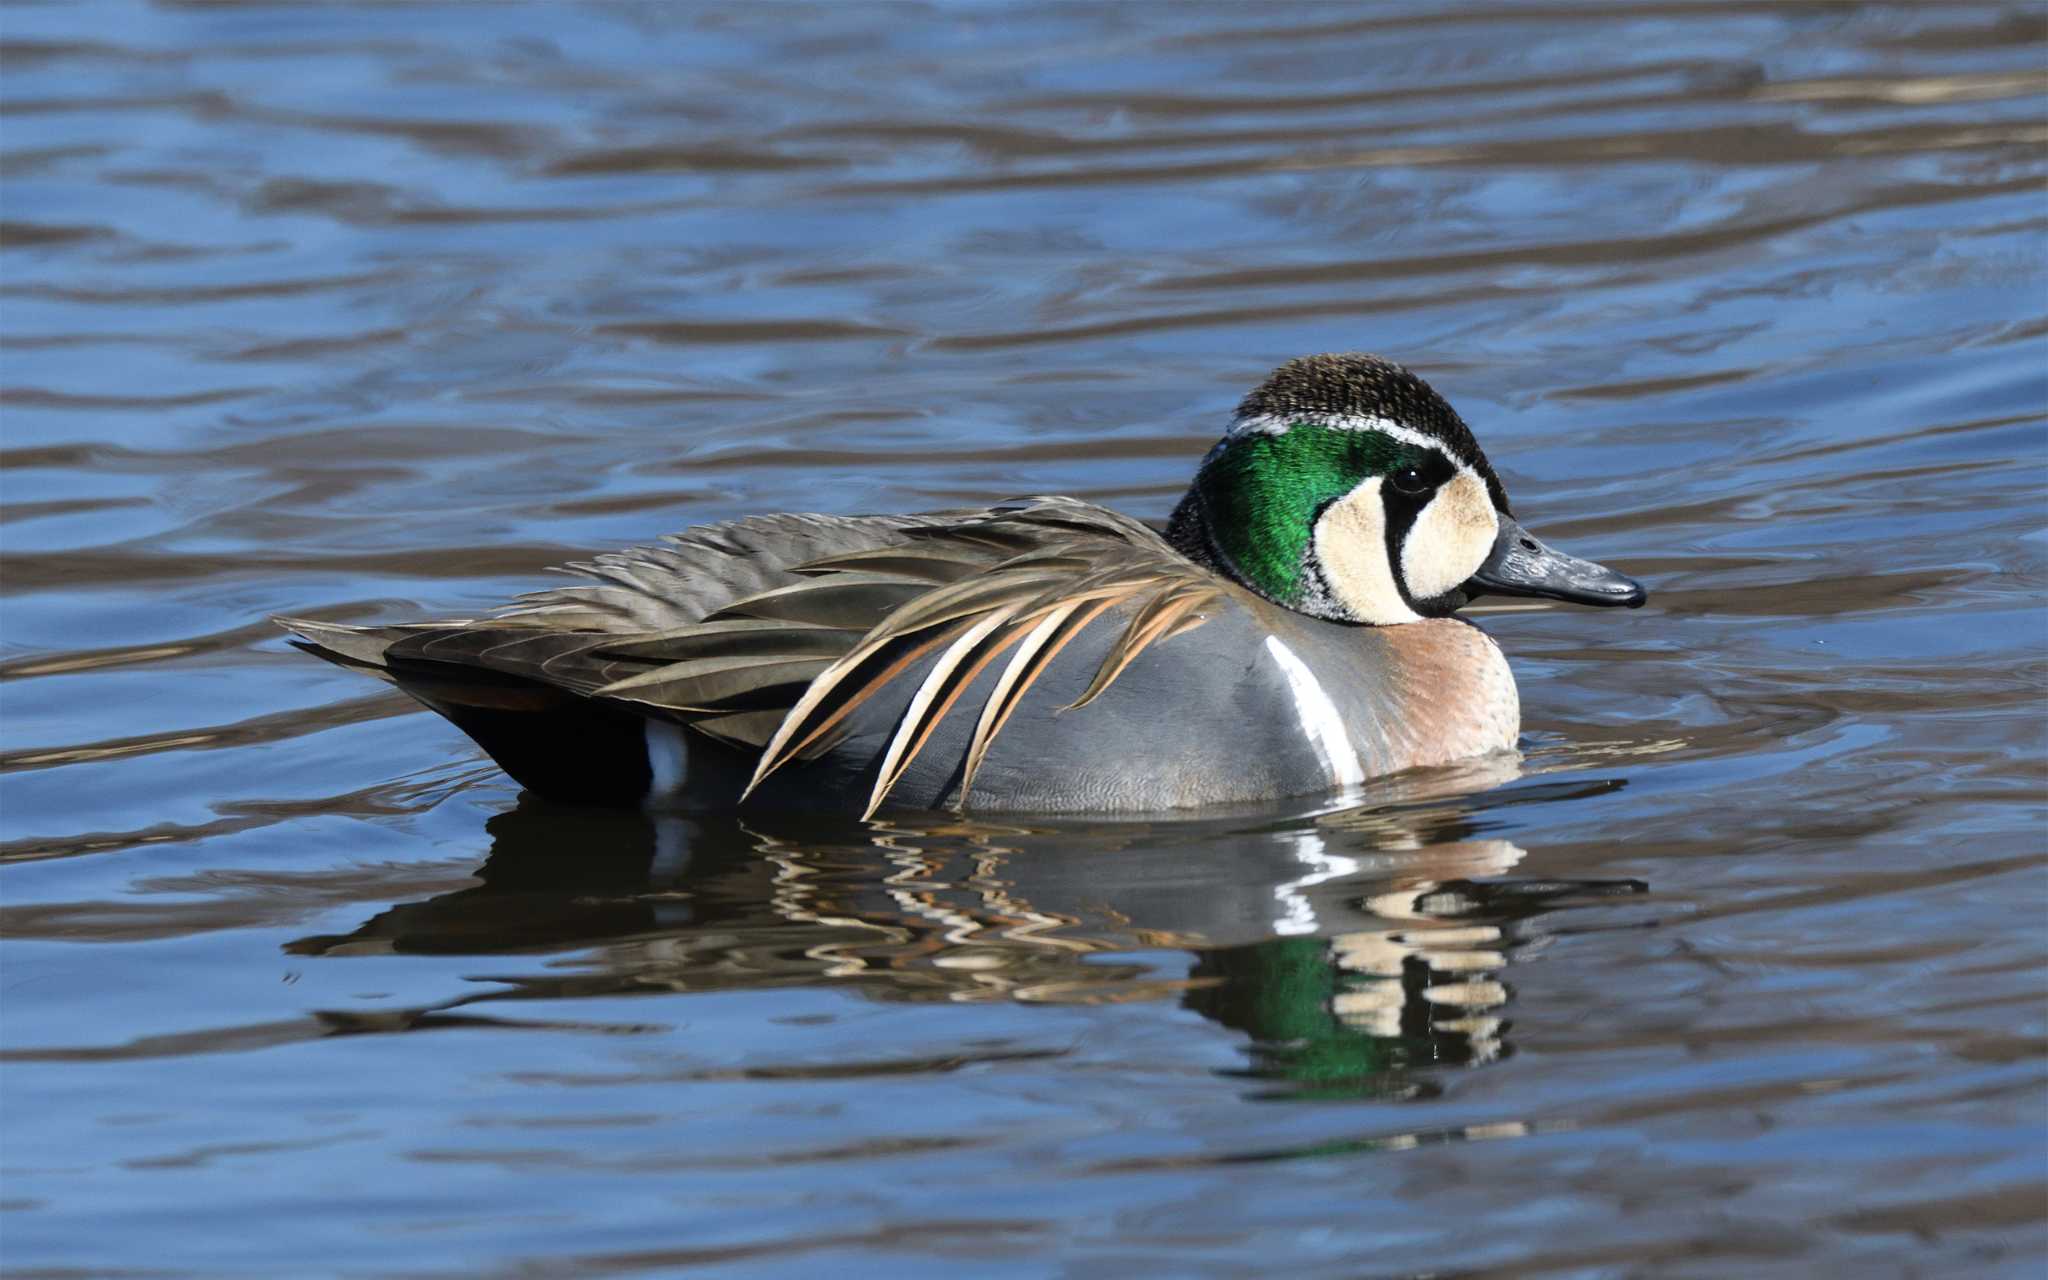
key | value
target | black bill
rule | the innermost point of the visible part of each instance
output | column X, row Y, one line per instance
column 1522, row 566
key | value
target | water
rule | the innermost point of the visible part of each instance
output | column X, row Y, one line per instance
column 367, row 312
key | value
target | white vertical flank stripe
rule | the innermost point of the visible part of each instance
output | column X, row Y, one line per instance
column 668, row 760
column 1320, row 722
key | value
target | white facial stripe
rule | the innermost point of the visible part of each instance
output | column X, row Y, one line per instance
column 1273, row 424
column 1351, row 544
column 1451, row 537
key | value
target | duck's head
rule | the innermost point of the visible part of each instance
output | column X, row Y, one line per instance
column 1346, row 489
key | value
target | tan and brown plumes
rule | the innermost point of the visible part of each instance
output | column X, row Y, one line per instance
column 744, row 634
column 1043, row 573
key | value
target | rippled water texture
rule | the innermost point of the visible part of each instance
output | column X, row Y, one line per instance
column 372, row 311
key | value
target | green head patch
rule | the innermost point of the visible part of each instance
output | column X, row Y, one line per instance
column 1262, row 491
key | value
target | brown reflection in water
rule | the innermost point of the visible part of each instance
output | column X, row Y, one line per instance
column 1357, row 950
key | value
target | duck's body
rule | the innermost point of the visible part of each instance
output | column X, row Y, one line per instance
column 1047, row 655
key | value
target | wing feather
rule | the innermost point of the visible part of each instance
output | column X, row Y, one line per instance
column 852, row 599
column 1059, row 625
column 708, row 684
column 787, row 745
column 1158, row 616
column 935, row 696
column 733, row 637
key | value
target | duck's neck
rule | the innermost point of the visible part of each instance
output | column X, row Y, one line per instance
column 1194, row 531
column 1188, row 532
column 1250, row 513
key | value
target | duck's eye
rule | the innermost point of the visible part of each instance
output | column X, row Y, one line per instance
column 1409, row 480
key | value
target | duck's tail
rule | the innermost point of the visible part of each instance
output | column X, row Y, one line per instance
column 359, row 647
column 551, row 741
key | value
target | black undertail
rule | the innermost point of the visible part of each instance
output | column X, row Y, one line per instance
column 551, row 742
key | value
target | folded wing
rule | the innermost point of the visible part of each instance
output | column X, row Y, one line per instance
column 768, row 634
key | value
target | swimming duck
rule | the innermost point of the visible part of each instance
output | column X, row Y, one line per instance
column 1290, row 631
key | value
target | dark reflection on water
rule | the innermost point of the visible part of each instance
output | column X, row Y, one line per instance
column 1355, row 951
column 365, row 312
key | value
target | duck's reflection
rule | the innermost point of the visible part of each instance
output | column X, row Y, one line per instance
column 1357, row 950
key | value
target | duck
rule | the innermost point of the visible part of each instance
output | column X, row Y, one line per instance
column 1290, row 631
